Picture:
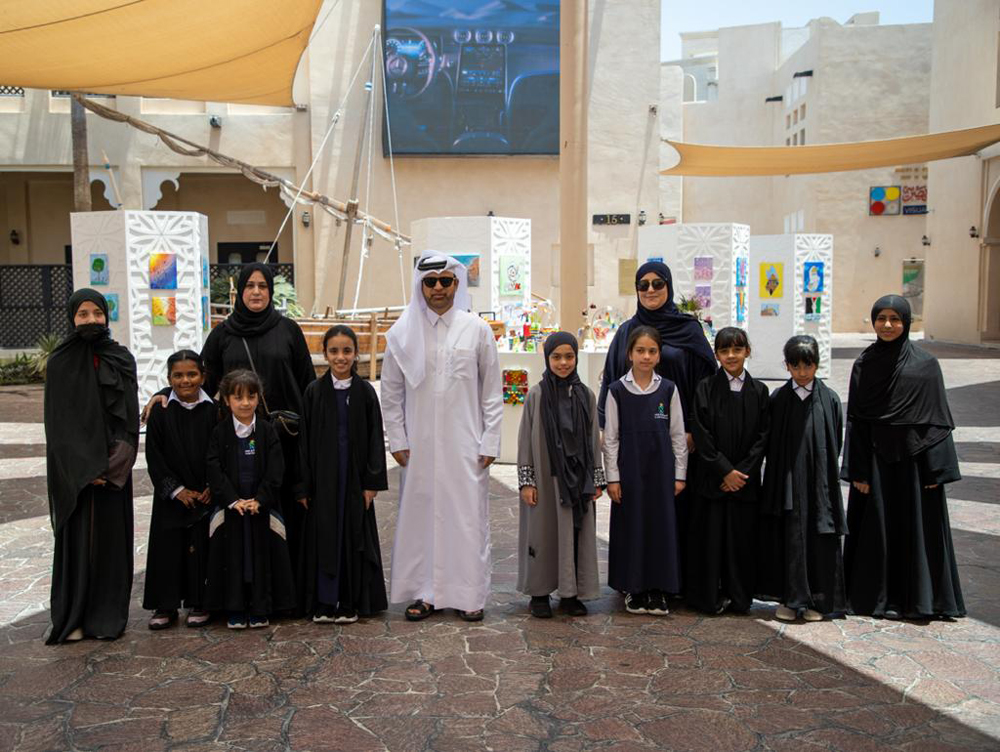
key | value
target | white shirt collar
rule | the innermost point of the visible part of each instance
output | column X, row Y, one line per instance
column 341, row 383
column 803, row 391
column 736, row 382
column 242, row 430
column 445, row 318
column 653, row 382
column 202, row 397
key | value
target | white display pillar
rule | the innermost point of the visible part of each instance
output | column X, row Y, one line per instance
column 707, row 261
column 152, row 266
column 791, row 292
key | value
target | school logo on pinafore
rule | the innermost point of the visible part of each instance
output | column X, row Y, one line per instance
column 661, row 412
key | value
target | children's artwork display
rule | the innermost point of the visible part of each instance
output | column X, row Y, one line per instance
column 164, row 310
column 703, row 269
column 100, row 273
column 206, row 314
column 741, row 272
column 884, row 200
column 771, row 280
column 511, row 275
column 163, row 271
column 741, row 307
column 814, row 307
column 812, row 276
column 770, row 309
column 471, row 263
column 515, row 386
column 112, row 298
column 703, row 294
column 205, row 281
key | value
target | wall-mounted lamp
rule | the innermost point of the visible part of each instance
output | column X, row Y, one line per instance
column 15, row 239
column 215, row 121
column 490, row 213
column 306, row 219
column 925, row 241
column 878, row 251
column 642, row 217
column 973, row 232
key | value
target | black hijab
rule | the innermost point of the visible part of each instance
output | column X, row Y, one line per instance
column 90, row 394
column 897, row 384
column 568, row 425
column 246, row 323
column 676, row 328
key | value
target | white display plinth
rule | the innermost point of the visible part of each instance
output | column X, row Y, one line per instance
column 590, row 366
column 498, row 247
column 707, row 261
column 153, row 269
column 803, row 264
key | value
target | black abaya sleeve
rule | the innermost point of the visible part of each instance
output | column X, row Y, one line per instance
column 710, row 458
column 302, row 365
column 304, row 486
column 272, row 469
column 857, row 467
column 223, row 491
column 374, row 477
column 165, row 479
column 211, row 356
column 939, row 463
column 751, row 461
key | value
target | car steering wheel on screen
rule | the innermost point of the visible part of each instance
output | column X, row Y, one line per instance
column 402, row 70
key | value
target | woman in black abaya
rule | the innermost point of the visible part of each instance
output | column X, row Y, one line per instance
column 91, row 435
column 898, row 555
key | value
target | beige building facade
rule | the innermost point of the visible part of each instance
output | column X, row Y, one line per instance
column 624, row 154
column 765, row 85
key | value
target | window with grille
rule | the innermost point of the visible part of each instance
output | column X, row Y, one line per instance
column 11, row 91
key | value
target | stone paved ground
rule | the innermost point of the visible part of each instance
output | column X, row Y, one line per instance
column 608, row 680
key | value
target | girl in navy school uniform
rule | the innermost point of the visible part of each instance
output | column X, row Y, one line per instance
column 645, row 461
column 249, row 573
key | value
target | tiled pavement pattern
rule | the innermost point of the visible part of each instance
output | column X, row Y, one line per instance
column 608, row 680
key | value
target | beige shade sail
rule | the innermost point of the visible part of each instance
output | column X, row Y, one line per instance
column 243, row 51
column 736, row 161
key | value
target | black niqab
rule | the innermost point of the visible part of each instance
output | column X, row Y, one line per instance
column 568, row 423
column 899, row 385
column 676, row 328
column 90, row 392
column 246, row 323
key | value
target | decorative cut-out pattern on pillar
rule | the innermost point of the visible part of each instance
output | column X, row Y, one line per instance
column 815, row 248
column 724, row 243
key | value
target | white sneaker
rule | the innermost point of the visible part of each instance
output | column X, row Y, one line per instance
column 75, row 635
column 810, row 615
column 785, row 613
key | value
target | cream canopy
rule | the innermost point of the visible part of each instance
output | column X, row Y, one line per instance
column 734, row 161
column 242, row 51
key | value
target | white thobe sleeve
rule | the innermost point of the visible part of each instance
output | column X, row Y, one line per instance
column 491, row 389
column 678, row 438
column 393, row 398
column 611, row 440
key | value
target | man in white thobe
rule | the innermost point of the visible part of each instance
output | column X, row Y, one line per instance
column 442, row 401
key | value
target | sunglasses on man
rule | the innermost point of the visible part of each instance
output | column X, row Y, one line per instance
column 431, row 282
column 643, row 285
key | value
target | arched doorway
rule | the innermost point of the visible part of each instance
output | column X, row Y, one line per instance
column 990, row 268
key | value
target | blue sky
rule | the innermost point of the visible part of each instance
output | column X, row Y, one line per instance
column 702, row 15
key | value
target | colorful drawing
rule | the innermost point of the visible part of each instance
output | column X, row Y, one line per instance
column 206, row 314
column 741, row 306
column 164, row 311
column 772, row 276
column 112, row 298
column 100, row 273
column 814, row 307
column 770, row 309
column 703, row 294
column 741, row 272
column 655, row 258
column 884, row 200
column 512, row 275
column 205, row 281
column 703, row 268
column 471, row 263
column 163, row 271
column 813, row 277
column 515, row 386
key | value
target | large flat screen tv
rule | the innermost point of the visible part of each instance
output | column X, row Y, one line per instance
column 472, row 76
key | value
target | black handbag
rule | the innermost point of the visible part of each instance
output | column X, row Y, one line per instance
column 287, row 419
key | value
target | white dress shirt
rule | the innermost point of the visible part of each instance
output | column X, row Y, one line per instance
column 736, row 382
column 340, row 384
column 611, row 439
column 803, row 392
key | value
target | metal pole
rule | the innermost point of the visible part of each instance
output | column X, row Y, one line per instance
column 352, row 201
column 573, row 102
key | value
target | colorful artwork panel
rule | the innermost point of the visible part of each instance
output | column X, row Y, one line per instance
column 741, row 307
column 205, row 281
column 703, row 268
column 772, row 276
column 471, row 263
column 512, row 274
column 164, row 311
column 515, row 386
column 813, row 276
column 814, row 307
column 206, row 314
column 884, row 200
column 742, row 265
column 113, row 304
column 163, row 271
column 703, row 294
column 100, row 272
column 770, row 309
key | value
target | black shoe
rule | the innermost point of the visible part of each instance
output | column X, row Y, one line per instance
column 345, row 616
column 572, row 606
column 540, row 607
column 325, row 614
column 657, row 604
column 637, row 603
